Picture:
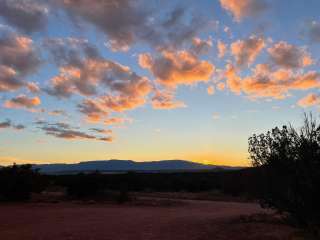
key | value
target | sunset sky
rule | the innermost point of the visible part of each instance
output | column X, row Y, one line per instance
column 152, row 79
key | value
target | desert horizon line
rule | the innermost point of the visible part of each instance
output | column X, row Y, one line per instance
column 125, row 160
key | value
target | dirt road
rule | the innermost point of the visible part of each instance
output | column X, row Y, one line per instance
column 191, row 220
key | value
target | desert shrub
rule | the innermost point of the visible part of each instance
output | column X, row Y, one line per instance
column 85, row 185
column 18, row 182
column 289, row 161
column 122, row 196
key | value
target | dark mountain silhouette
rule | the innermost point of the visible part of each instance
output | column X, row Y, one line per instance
column 127, row 165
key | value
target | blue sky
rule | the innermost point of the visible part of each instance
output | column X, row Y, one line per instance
column 89, row 80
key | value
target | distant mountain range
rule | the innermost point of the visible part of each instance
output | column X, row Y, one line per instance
column 128, row 165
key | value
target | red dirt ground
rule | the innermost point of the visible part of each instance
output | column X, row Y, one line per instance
column 201, row 220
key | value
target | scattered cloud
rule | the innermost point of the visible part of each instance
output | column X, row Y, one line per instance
column 83, row 71
column 122, row 21
column 93, row 110
column 244, row 8
column 311, row 99
column 174, row 68
column 127, row 22
column 211, row 90
column 18, row 52
column 5, row 124
column 65, row 131
column 221, row 86
column 33, row 87
column 8, row 124
column 165, row 100
column 246, row 51
column 57, row 113
column 201, row 46
column 222, row 49
column 18, row 58
column 9, row 81
column 267, row 82
column 233, row 80
column 101, row 130
column 117, row 121
column 26, row 15
column 22, row 101
column 289, row 56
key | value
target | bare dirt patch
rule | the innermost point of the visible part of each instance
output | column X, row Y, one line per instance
column 201, row 220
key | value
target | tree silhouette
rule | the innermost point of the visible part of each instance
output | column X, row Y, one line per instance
column 18, row 182
column 289, row 160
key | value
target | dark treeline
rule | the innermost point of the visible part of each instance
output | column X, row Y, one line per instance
column 236, row 183
column 18, row 182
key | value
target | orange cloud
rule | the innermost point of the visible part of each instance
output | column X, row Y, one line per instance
column 243, row 8
column 200, row 46
column 211, row 90
column 165, row 100
column 93, row 110
column 174, row 68
column 117, row 120
column 221, row 86
column 122, row 103
column 18, row 53
column 289, row 56
column 18, row 58
column 9, row 80
column 33, row 87
column 22, row 101
column 222, row 49
column 266, row 82
column 309, row 100
column 246, row 51
column 57, row 113
column 87, row 73
column 233, row 80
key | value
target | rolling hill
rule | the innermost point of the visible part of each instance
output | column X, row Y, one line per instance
column 127, row 165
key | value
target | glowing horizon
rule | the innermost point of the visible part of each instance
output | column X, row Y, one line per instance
column 152, row 80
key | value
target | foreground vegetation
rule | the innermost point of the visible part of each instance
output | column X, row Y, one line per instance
column 289, row 161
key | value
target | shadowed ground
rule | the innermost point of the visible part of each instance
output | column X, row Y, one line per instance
column 186, row 220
